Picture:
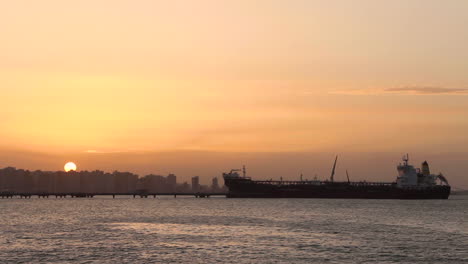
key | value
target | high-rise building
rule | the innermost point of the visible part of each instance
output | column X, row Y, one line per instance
column 124, row 182
column 195, row 184
column 153, row 183
column 214, row 185
column 183, row 188
column 171, row 182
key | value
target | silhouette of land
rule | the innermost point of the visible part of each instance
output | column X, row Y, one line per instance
column 25, row 183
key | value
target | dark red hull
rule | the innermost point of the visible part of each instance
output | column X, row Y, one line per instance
column 246, row 188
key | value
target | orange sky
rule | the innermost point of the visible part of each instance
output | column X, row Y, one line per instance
column 238, row 76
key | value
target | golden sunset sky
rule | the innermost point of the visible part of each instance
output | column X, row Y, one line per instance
column 233, row 76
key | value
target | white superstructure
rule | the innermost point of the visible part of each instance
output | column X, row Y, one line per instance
column 408, row 176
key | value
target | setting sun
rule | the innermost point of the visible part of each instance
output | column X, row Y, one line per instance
column 70, row 166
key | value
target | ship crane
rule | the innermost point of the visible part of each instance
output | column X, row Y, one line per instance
column 442, row 178
column 333, row 170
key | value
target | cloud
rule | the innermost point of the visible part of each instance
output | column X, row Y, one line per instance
column 94, row 151
column 409, row 90
column 427, row 90
column 358, row 92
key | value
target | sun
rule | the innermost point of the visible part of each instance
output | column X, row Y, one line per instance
column 70, row 166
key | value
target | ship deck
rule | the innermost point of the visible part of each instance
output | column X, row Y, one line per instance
column 360, row 183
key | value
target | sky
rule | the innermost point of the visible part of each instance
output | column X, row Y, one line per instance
column 300, row 76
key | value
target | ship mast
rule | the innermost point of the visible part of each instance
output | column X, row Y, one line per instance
column 333, row 170
column 406, row 159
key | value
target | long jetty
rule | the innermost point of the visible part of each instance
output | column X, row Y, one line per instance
column 6, row 195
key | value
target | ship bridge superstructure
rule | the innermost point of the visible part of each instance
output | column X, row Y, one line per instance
column 234, row 174
column 409, row 176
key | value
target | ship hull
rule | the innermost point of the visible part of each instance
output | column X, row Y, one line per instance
column 245, row 188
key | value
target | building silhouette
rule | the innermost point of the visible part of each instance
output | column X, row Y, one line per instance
column 24, row 181
column 195, row 184
column 214, row 185
column 171, row 183
column 14, row 180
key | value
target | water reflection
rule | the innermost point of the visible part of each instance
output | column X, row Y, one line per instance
column 232, row 231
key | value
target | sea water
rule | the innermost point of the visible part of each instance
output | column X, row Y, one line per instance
column 220, row 230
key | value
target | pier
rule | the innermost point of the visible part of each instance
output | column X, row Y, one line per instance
column 8, row 195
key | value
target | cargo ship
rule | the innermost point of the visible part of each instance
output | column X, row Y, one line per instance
column 411, row 183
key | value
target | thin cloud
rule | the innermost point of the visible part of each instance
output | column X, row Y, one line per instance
column 94, row 151
column 358, row 92
column 407, row 91
column 427, row 90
